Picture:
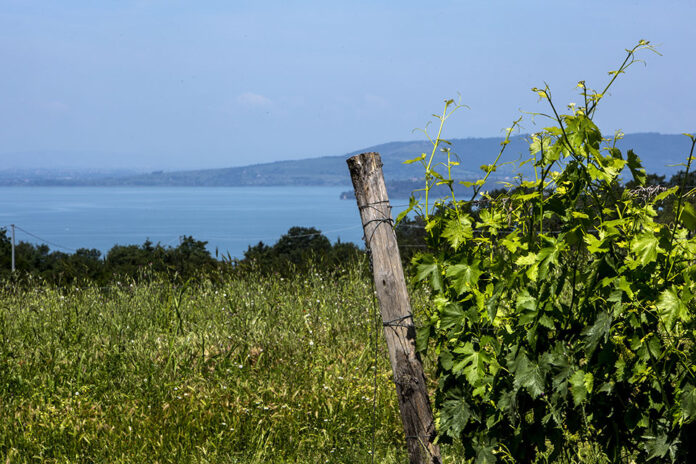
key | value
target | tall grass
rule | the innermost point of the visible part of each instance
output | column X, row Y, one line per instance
column 255, row 370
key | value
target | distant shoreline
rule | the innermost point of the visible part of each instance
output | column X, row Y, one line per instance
column 660, row 154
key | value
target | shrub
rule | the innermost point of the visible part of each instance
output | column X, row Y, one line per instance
column 563, row 311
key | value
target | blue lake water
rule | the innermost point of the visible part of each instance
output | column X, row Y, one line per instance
column 229, row 219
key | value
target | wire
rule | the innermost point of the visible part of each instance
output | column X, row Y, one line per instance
column 170, row 242
column 48, row 242
column 325, row 232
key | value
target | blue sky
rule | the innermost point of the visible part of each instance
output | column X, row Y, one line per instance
column 155, row 84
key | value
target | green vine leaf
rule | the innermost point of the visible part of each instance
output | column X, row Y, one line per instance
column 688, row 216
column 528, row 375
column 464, row 277
column 457, row 231
column 415, row 160
column 429, row 269
column 454, row 415
column 412, row 203
column 598, row 331
column 526, row 260
column 485, row 455
column 581, row 384
column 646, row 247
column 473, row 364
column 672, row 309
column 687, row 402
column 422, row 338
column 634, row 164
column 452, row 316
column 595, row 245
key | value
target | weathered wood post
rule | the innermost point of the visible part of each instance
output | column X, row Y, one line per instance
column 380, row 240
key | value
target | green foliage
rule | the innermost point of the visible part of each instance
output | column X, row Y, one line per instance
column 563, row 308
column 188, row 260
column 300, row 249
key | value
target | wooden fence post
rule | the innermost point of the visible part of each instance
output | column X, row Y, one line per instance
column 399, row 331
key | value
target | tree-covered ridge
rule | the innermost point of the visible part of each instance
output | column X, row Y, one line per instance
column 657, row 151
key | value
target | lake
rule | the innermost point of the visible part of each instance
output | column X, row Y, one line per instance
column 228, row 218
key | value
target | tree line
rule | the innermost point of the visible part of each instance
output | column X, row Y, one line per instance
column 295, row 251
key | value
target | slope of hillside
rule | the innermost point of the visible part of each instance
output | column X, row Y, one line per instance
column 659, row 152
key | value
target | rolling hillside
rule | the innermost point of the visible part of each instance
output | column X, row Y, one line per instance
column 658, row 152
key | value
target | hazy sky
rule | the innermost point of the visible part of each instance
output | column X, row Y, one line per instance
column 186, row 84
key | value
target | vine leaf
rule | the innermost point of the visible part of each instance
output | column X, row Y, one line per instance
column 528, row 375
column 659, row 447
column 485, row 455
column 688, row 216
column 473, row 365
column 688, row 403
column 429, row 268
column 454, row 415
column 594, row 244
column 671, row 308
column 645, row 246
column 597, row 331
column 457, row 231
column 415, row 160
column 464, row 277
column 451, row 316
column 529, row 258
column 581, row 383
column 422, row 338
column 527, row 307
column 636, row 168
column 412, row 203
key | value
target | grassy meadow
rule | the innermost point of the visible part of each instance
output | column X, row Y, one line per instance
column 257, row 369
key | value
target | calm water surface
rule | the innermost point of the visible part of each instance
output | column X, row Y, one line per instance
column 229, row 219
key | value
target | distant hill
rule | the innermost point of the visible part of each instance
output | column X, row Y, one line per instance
column 657, row 151
column 327, row 170
column 60, row 176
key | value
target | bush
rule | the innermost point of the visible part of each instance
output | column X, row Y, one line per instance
column 564, row 312
column 300, row 249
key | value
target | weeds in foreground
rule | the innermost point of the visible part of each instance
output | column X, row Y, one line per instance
column 255, row 370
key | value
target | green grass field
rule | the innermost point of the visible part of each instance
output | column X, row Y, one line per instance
column 255, row 370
